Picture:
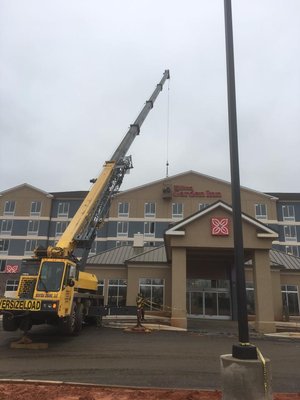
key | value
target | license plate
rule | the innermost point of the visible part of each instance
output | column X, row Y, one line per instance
column 22, row 305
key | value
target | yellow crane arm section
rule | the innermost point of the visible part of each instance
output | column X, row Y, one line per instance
column 66, row 243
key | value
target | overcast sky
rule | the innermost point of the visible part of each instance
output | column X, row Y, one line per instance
column 75, row 74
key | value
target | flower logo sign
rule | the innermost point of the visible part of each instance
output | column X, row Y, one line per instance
column 220, row 226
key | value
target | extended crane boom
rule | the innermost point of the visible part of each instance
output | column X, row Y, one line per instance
column 81, row 231
column 60, row 292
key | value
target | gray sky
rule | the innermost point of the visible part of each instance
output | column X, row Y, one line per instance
column 75, row 74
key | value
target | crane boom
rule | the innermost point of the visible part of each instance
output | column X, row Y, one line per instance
column 134, row 129
column 81, row 231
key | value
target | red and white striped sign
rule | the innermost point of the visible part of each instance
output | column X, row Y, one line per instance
column 220, row 226
column 11, row 269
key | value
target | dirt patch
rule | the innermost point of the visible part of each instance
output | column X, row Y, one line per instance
column 37, row 391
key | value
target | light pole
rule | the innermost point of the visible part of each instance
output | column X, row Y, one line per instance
column 243, row 350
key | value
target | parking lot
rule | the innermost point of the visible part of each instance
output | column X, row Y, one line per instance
column 166, row 359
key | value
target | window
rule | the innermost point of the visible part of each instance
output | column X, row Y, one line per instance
column 51, row 275
column 33, row 227
column 202, row 206
column 292, row 250
column 93, row 249
column 290, row 233
column 120, row 243
column 122, row 228
column 101, row 287
column 149, row 229
column 11, row 285
column 4, row 245
column 2, row 265
column 288, row 213
column 250, row 298
column 30, row 246
column 9, row 207
column 35, row 208
column 153, row 291
column 177, row 210
column 63, row 209
column 6, row 226
column 117, row 289
column 150, row 209
column 123, row 210
column 290, row 299
column 260, row 211
column 61, row 227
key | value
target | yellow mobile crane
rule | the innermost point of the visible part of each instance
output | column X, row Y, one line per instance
column 60, row 292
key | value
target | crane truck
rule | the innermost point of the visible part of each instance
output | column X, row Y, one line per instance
column 54, row 288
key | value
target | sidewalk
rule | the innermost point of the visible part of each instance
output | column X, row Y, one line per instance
column 204, row 326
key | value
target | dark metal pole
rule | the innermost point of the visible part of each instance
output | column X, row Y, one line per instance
column 244, row 350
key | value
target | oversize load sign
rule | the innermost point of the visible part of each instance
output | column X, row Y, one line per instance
column 14, row 304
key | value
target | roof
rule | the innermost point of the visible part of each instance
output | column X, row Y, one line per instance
column 78, row 194
column 285, row 260
column 26, row 185
column 120, row 255
column 123, row 254
column 286, row 196
column 155, row 255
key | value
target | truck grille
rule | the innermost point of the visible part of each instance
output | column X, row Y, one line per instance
column 26, row 287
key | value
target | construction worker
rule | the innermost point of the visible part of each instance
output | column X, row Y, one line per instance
column 140, row 302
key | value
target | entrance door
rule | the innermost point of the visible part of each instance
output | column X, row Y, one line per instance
column 208, row 302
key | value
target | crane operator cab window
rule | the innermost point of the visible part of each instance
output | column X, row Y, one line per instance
column 70, row 276
column 51, row 274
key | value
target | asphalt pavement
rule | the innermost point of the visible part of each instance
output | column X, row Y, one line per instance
column 161, row 358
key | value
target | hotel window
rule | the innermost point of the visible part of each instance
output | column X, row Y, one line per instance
column 9, row 207
column 11, row 285
column 100, row 289
column 93, row 249
column 150, row 209
column 153, row 291
column 120, row 243
column 290, row 299
column 2, row 265
column 202, row 206
column 4, row 245
column 123, row 210
column 293, row 250
column 122, row 228
column 30, row 246
column 288, row 213
column 177, row 210
column 260, row 211
column 60, row 227
column 149, row 229
column 35, row 208
column 117, row 289
column 63, row 209
column 33, row 227
column 290, row 233
column 6, row 227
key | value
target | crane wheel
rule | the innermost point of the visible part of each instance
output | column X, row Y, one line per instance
column 78, row 318
column 67, row 324
column 10, row 323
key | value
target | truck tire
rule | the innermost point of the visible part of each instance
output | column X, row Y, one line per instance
column 10, row 323
column 78, row 318
column 67, row 324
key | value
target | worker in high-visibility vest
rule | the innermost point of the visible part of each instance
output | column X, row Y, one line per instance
column 140, row 302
